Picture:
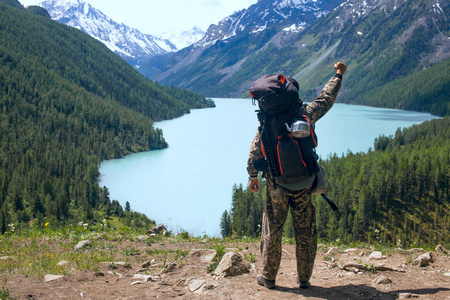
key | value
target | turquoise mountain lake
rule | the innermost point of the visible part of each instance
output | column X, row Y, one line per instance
column 188, row 185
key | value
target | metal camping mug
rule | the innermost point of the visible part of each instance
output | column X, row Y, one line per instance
column 299, row 129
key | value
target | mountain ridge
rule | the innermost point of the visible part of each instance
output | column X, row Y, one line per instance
column 237, row 37
column 131, row 44
column 185, row 38
column 388, row 38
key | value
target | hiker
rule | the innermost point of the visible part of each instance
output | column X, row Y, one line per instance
column 280, row 196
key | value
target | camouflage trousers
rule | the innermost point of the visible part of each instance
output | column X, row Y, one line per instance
column 278, row 202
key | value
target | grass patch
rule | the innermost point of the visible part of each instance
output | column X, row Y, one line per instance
column 220, row 252
column 37, row 251
column 212, row 267
column 4, row 294
column 250, row 257
column 158, row 252
column 130, row 252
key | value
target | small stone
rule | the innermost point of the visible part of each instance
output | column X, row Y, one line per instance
column 6, row 257
column 145, row 278
column 62, row 263
column 50, row 277
column 146, row 264
column 81, row 244
column 205, row 288
column 376, row 255
column 407, row 295
column 168, row 268
column 423, row 260
column 158, row 230
column 440, row 248
column 351, row 250
column 447, row 274
column 333, row 265
column 136, row 282
column 332, row 249
column 382, row 280
column 206, row 254
column 195, row 285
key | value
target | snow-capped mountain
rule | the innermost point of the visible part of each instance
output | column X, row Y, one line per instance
column 132, row 45
column 378, row 39
column 185, row 38
column 228, row 48
column 287, row 15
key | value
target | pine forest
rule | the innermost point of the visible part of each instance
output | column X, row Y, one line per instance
column 67, row 103
column 396, row 194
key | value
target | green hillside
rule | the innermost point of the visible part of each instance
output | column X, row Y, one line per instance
column 393, row 52
column 389, row 50
column 397, row 194
column 66, row 104
column 427, row 90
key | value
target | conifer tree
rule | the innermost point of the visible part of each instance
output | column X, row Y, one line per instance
column 225, row 224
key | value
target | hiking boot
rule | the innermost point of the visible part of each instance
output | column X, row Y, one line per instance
column 270, row 284
column 304, row 284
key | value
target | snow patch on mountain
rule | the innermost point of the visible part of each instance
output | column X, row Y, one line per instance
column 185, row 38
column 295, row 28
column 291, row 15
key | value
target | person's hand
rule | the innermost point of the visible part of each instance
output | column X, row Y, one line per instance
column 340, row 68
column 254, row 185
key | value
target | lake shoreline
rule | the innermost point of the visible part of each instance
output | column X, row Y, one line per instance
column 207, row 155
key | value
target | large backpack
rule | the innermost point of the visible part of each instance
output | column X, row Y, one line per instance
column 288, row 159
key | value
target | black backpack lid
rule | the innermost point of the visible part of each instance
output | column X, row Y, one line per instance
column 274, row 92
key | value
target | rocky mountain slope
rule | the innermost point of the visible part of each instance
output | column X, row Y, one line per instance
column 382, row 41
column 132, row 45
column 285, row 15
column 229, row 43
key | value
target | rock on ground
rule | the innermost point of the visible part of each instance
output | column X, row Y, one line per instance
column 231, row 265
column 423, row 260
column 81, row 244
column 50, row 277
column 376, row 255
column 382, row 280
column 206, row 254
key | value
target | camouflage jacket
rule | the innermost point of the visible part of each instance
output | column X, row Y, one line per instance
column 315, row 110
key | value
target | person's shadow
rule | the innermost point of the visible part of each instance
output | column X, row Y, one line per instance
column 361, row 291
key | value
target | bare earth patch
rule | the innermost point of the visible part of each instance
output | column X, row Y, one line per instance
column 147, row 275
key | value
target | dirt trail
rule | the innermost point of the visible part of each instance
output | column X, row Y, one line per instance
column 329, row 281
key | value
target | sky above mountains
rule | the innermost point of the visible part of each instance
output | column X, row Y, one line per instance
column 156, row 17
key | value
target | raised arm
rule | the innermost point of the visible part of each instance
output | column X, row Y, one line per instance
column 319, row 107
